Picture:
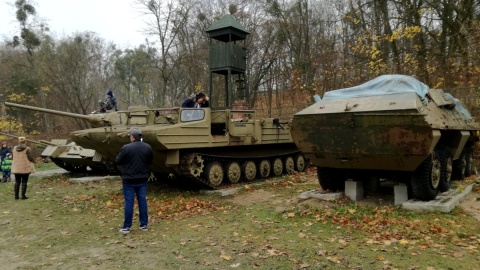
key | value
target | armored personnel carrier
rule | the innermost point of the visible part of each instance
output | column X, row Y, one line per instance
column 391, row 127
column 71, row 157
column 204, row 145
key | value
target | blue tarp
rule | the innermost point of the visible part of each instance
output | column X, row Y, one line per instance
column 459, row 106
column 382, row 85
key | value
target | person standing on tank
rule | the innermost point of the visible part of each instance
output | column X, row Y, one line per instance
column 22, row 166
column 110, row 102
column 134, row 161
column 199, row 100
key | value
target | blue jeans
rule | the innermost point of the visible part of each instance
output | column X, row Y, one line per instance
column 129, row 192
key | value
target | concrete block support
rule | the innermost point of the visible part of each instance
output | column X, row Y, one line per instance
column 400, row 193
column 354, row 190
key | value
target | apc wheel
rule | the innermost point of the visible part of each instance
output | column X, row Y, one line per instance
column 75, row 168
column 277, row 167
column 446, row 167
column 426, row 179
column 249, row 170
column 289, row 165
column 264, row 168
column 330, row 179
column 214, row 173
column 300, row 163
column 468, row 161
column 459, row 167
column 233, row 172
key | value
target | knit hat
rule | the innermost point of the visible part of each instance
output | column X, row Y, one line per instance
column 110, row 93
column 21, row 139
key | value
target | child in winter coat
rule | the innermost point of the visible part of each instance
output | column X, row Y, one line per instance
column 7, row 168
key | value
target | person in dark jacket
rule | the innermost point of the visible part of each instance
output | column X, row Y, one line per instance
column 134, row 160
column 4, row 151
column 110, row 103
column 199, row 100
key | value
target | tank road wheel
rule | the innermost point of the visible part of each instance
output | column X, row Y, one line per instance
column 233, row 172
column 289, row 165
column 445, row 158
column 264, row 168
column 214, row 173
column 300, row 163
column 330, row 179
column 277, row 167
column 249, row 170
column 426, row 179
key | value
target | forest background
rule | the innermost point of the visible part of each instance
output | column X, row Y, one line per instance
column 296, row 49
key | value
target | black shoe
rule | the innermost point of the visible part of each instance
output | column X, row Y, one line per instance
column 24, row 197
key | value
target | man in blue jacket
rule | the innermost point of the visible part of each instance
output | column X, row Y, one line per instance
column 134, row 160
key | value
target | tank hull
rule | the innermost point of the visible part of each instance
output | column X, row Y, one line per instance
column 188, row 147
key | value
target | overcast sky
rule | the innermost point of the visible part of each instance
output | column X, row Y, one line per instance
column 113, row 20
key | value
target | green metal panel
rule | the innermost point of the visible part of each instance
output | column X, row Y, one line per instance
column 227, row 55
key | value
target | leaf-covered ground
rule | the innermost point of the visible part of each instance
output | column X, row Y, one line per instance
column 68, row 225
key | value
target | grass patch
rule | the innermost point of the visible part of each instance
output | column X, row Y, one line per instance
column 68, row 225
column 40, row 166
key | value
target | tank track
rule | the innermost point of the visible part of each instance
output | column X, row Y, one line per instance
column 192, row 167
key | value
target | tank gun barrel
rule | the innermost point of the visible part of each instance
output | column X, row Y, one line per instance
column 44, row 143
column 91, row 119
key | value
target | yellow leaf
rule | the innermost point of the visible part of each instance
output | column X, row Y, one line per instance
column 290, row 215
column 226, row 257
column 403, row 242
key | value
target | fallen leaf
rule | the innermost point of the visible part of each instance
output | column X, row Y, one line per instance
column 226, row 257
column 403, row 242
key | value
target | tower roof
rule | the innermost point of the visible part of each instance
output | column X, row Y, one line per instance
column 227, row 29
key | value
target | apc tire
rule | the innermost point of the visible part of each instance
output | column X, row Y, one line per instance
column 426, row 179
column 446, row 167
column 459, row 166
column 330, row 179
column 468, row 160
